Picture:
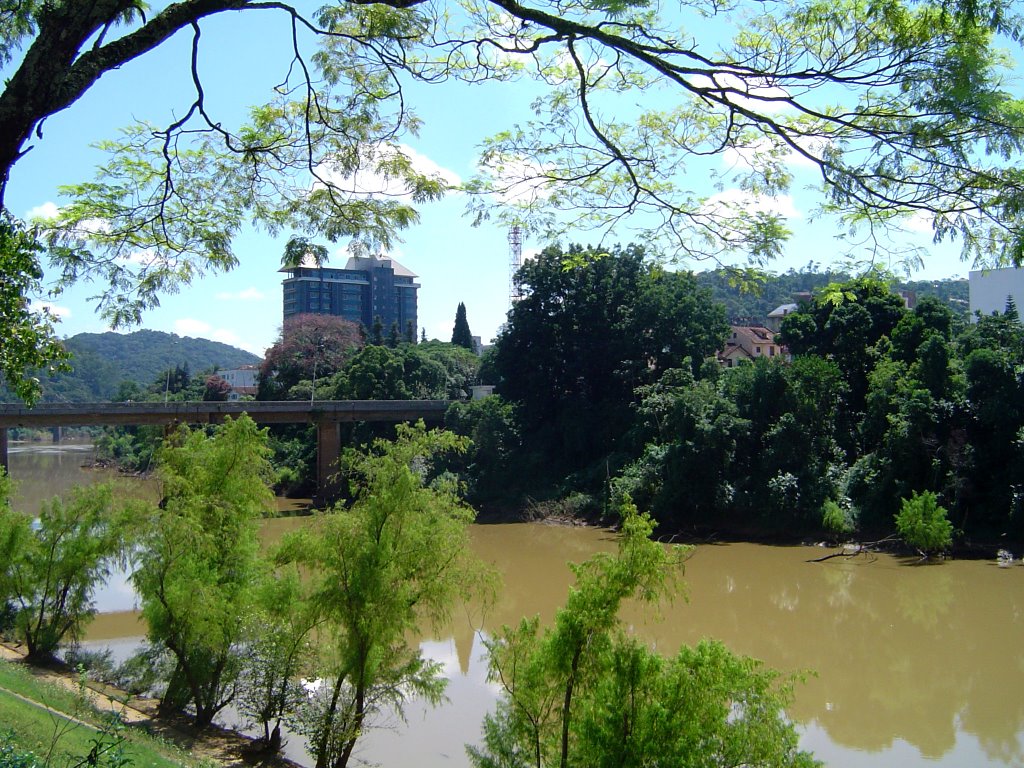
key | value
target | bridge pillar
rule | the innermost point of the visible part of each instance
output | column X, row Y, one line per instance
column 328, row 452
column 58, row 433
column 4, row 461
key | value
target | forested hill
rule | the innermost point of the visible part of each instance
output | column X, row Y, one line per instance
column 779, row 289
column 101, row 361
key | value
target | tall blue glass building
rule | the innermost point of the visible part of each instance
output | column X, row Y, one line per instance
column 367, row 288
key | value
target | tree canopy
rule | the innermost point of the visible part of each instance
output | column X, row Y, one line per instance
column 310, row 345
column 590, row 328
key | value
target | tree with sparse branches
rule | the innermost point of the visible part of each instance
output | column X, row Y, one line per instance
column 380, row 572
column 901, row 107
column 52, row 567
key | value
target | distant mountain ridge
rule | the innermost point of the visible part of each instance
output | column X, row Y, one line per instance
column 101, row 361
column 741, row 307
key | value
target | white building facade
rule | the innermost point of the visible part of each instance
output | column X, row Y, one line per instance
column 989, row 289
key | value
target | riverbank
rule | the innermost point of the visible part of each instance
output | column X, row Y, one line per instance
column 222, row 746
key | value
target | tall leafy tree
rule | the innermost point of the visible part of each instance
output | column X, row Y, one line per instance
column 381, row 570
column 461, row 335
column 196, row 566
column 27, row 338
column 591, row 328
column 845, row 322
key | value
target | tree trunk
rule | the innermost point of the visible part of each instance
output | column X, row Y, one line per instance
column 321, row 751
column 357, row 724
column 567, row 705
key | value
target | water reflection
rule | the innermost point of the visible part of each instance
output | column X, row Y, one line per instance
column 913, row 665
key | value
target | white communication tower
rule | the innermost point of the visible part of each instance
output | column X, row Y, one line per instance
column 515, row 261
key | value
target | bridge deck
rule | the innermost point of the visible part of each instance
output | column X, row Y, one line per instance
column 266, row 412
column 326, row 414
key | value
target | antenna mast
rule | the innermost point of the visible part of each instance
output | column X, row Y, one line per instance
column 515, row 261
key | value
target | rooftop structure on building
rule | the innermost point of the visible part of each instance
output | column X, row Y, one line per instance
column 367, row 288
column 777, row 315
column 749, row 342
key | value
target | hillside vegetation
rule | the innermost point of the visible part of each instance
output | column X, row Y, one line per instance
column 743, row 306
column 102, row 361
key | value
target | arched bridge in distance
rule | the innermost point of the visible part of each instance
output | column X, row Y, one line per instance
column 327, row 415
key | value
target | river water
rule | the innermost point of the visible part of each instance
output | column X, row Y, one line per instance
column 907, row 665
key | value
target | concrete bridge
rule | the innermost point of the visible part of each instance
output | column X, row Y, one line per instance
column 328, row 415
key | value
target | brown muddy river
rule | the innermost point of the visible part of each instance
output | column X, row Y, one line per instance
column 908, row 665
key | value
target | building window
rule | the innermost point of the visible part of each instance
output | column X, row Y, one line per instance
column 758, row 350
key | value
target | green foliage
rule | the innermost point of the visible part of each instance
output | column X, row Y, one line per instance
column 130, row 448
column 752, row 449
column 461, row 335
column 197, row 568
column 27, row 341
column 428, row 371
column 12, row 757
column 780, row 80
column 490, row 465
column 51, row 569
column 381, row 570
column 749, row 297
column 585, row 693
column 590, row 328
column 111, row 366
column 27, row 736
column 836, row 520
column 923, row 524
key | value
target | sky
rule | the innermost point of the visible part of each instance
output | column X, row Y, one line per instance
column 242, row 57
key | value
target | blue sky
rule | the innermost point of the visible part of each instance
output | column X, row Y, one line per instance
column 242, row 57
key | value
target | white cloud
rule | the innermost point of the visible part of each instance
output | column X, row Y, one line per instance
column 370, row 181
column 61, row 313
column 517, row 180
column 920, row 221
column 531, row 253
column 225, row 336
column 187, row 326
column 754, row 93
column 190, row 326
column 246, row 294
column 737, row 199
column 756, row 153
column 47, row 210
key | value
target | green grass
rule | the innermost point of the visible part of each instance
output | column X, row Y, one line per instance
column 30, row 728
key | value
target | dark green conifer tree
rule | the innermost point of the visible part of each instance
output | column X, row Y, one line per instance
column 461, row 334
column 1010, row 310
